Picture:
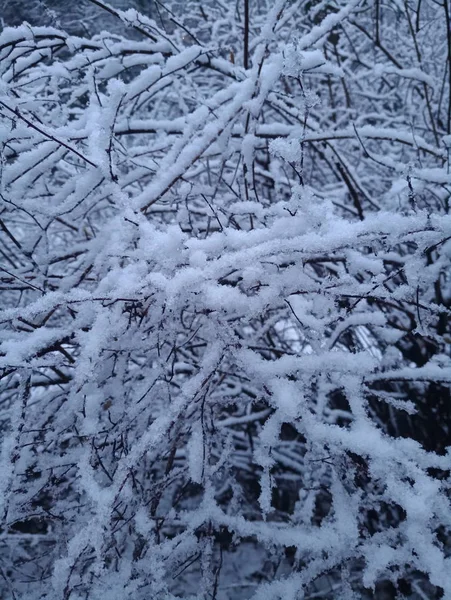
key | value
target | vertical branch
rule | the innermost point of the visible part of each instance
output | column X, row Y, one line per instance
column 246, row 34
column 417, row 25
column 448, row 66
column 377, row 32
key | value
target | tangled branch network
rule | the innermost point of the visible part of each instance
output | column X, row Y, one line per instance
column 225, row 248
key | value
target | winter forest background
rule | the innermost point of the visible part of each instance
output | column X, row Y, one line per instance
column 225, row 299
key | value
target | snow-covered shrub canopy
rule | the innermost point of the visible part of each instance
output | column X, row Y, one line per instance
column 225, row 244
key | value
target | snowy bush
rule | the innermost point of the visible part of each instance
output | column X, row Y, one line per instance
column 225, row 297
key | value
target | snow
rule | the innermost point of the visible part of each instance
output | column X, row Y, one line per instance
column 224, row 344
